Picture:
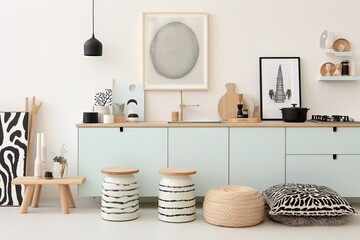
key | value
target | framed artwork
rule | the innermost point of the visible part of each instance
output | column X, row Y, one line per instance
column 175, row 51
column 279, row 85
column 13, row 151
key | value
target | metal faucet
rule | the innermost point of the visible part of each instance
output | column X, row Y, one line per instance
column 182, row 106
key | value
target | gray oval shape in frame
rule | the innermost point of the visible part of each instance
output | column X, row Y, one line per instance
column 174, row 50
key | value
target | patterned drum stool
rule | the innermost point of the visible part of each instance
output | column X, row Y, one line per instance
column 233, row 206
column 120, row 194
column 177, row 201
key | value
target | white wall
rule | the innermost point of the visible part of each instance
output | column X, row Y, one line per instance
column 41, row 44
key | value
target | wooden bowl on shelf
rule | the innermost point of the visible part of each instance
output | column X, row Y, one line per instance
column 341, row 45
column 323, row 69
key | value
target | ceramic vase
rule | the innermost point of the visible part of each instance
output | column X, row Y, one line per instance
column 60, row 170
column 44, row 154
column 102, row 110
column 38, row 162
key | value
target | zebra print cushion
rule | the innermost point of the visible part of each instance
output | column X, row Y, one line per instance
column 306, row 200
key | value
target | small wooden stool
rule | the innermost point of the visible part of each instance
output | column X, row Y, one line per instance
column 33, row 190
column 177, row 202
column 120, row 194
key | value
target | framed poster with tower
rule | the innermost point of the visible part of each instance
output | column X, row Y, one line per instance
column 279, row 85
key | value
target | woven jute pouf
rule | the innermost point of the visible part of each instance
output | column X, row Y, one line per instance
column 233, row 206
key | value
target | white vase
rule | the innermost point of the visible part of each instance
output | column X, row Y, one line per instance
column 352, row 68
column 44, row 154
column 38, row 162
column 102, row 110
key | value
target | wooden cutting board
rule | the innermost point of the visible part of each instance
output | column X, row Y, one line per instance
column 227, row 106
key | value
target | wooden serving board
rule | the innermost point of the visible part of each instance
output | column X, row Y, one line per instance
column 227, row 106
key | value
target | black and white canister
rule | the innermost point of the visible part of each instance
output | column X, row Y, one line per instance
column 120, row 198
column 177, row 202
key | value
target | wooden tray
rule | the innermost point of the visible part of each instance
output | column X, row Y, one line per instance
column 341, row 45
column 244, row 120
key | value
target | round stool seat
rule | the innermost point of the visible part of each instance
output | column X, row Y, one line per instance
column 233, row 206
column 119, row 170
column 177, row 171
column 120, row 194
column 177, row 202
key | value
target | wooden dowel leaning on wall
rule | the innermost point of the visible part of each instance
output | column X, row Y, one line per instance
column 35, row 108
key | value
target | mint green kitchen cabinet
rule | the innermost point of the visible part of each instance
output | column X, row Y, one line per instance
column 204, row 149
column 144, row 148
column 340, row 174
column 257, row 156
column 324, row 156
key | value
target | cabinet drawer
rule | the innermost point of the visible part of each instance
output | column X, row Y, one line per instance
column 323, row 140
column 341, row 174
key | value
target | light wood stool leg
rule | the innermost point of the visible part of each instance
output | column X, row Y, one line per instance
column 29, row 190
column 36, row 196
column 70, row 197
column 63, row 199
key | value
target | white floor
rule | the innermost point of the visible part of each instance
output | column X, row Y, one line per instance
column 84, row 223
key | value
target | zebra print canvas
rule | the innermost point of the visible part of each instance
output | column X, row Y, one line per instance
column 13, row 151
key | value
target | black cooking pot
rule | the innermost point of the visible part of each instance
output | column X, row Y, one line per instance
column 294, row 114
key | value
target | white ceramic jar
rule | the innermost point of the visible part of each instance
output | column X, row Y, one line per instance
column 120, row 198
column 177, row 202
column 102, row 110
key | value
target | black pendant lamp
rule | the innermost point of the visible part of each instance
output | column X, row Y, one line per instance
column 93, row 47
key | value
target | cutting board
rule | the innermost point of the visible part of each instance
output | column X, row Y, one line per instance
column 227, row 106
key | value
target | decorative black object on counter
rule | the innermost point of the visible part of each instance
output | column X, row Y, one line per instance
column 345, row 68
column 332, row 118
column 239, row 112
column 294, row 114
column 48, row 175
column 90, row 117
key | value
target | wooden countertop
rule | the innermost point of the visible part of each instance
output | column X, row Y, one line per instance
column 215, row 124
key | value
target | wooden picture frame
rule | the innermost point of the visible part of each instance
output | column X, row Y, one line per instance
column 279, row 85
column 175, row 51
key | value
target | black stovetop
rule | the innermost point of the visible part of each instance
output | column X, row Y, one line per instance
column 332, row 118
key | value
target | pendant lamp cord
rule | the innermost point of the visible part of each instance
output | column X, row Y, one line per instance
column 93, row 17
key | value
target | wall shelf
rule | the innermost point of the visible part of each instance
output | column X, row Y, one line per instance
column 339, row 78
column 339, row 54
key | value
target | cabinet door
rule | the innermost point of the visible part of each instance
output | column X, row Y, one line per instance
column 204, row 149
column 144, row 148
column 341, row 174
column 323, row 140
column 257, row 157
